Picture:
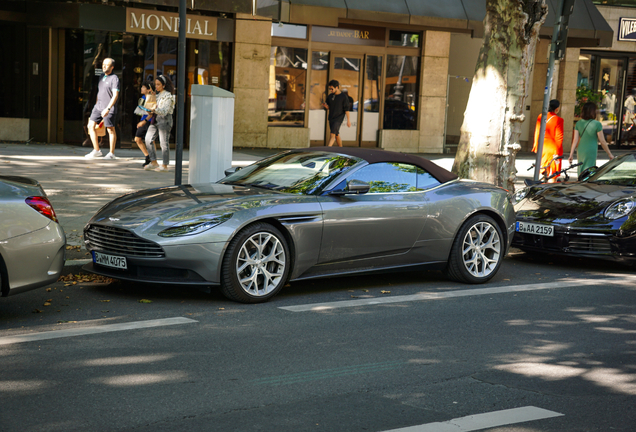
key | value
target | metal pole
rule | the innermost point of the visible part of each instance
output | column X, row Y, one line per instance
column 181, row 72
column 548, row 87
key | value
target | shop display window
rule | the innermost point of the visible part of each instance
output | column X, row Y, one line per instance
column 401, row 92
column 289, row 30
column 287, row 80
column 399, row 38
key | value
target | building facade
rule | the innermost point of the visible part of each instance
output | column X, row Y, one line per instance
column 406, row 65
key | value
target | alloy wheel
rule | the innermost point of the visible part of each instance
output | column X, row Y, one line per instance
column 260, row 265
column 481, row 249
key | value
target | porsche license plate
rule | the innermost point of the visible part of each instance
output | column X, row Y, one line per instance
column 537, row 229
column 110, row 260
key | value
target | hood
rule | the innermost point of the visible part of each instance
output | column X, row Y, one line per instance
column 570, row 201
column 169, row 205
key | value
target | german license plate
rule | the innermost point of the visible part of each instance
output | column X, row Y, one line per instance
column 537, row 229
column 110, row 260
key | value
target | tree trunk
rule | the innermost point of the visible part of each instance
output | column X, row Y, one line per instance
column 492, row 122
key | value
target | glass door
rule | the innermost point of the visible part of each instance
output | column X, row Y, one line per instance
column 608, row 87
column 347, row 70
column 370, row 112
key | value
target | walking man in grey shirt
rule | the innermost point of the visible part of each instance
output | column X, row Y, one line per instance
column 105, row 109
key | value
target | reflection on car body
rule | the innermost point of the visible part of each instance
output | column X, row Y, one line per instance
column 302, row 214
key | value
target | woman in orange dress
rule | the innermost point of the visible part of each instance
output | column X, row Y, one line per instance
column 552, row 141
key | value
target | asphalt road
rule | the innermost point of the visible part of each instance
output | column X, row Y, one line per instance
column 553, row 333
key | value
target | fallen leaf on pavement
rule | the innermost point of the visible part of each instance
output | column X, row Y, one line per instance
column 104, row 301
column 37, row 311
column 385, row 292
column 145, row 301
column 47, row 304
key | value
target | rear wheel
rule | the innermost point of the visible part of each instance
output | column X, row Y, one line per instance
column 256, row 264
column 477, row 251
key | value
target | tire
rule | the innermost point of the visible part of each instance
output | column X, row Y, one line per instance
column 477, row 251
column 256, row 264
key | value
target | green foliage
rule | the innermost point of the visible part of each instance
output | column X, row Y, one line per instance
column 583, row 96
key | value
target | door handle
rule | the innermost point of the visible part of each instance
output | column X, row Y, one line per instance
column 413, row 207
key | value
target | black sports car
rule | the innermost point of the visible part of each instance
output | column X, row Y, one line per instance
column 594, row 217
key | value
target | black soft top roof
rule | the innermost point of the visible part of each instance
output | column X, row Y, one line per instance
column 373, row 155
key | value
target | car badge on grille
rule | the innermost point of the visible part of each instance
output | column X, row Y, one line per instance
column 113, row 219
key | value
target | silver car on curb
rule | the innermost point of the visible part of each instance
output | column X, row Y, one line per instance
column 32, row 242
column 301, row 214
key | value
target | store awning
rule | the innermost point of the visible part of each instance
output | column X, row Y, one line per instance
column 588, row 28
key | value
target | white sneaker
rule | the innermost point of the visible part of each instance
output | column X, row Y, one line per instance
column 110, row 156
column 161, row 168
column 150, row 167
column 94, row 154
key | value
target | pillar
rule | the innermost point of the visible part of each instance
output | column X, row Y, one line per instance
column 252, row 48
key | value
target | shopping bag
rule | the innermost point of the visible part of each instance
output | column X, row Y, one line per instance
column 151, row 102
column 100, row 129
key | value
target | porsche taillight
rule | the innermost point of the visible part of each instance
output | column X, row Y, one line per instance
column 42, row 206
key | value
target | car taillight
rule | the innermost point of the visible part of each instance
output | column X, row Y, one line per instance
column 42, row 206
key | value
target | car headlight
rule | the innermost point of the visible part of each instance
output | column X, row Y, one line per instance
column 195, row 226
column 519, row 195
column 620, row 208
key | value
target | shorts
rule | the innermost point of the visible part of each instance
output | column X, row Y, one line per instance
column 334, row 126
column 96, row 116
column 141, row 131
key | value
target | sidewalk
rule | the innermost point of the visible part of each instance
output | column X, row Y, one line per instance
column 78, row 187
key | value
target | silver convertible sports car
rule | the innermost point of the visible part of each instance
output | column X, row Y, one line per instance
column 303, row 214
column 32, row 242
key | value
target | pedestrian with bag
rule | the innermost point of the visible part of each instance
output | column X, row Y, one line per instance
column 552, row 140
column 147, row 94
column 162, row 124
column 105, row 110
column 588, row 132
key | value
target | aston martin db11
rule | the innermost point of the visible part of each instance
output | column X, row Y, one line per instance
column 301, row 214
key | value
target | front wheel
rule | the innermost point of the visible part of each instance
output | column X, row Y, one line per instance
column 256, row 264
column 477, row 251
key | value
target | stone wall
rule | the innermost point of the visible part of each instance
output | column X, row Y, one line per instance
column 287, row 137
column 14, row 129
column 252, row 47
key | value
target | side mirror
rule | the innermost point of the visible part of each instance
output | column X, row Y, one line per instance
column 231, row 170
column 357, row 187
column 587, row 173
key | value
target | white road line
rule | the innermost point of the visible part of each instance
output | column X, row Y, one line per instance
column 94, row 330
column 463, row 293
column 484, row 421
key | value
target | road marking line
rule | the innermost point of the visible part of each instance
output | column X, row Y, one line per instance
column 316, row 307
column 94, row 330
column 484, row 421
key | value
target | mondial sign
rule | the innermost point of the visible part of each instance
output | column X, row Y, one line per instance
column 627, row 29
column 159, row 23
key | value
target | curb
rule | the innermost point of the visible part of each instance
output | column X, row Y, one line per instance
column 74, row 266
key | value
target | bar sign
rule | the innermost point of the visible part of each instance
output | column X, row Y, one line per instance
column 627, row 29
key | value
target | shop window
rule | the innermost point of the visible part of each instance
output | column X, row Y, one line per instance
column 287, row 79
column 209, row 63
column 399, row 38
column 289, row 31
column 624, row 3
column 401, row 92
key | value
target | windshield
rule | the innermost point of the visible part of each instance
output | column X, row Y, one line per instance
column 619, row 171
column 298, row 172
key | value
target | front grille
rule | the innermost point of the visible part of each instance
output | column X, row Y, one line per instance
column 118, row 241
column 586, row 243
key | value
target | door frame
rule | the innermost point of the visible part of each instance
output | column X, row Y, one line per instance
column 332, row 63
